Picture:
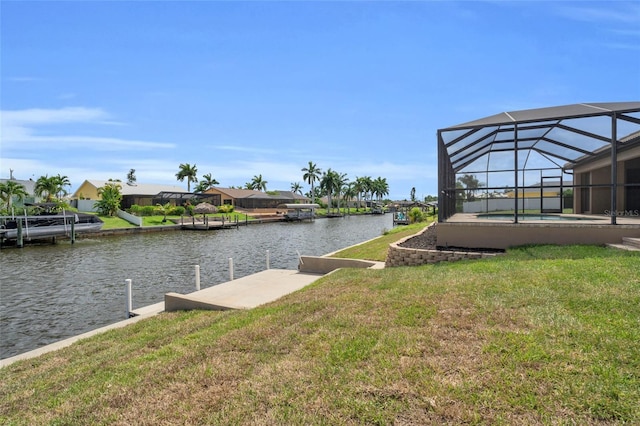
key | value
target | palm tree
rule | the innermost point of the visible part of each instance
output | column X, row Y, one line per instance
column 163, row 209
column 46, row 187
column 380, row 187
column 349, row 192
column 296, row 188
column 329, row 183
column 341, row 181
column 11, row 189
column 358, row 189
column 61, row 182
column 110, row 197
column 471, row 185
column 207, row 182
column 189, row 172
column 258, row 184
column 367, row 187
column 131, row 177
column 311, row 175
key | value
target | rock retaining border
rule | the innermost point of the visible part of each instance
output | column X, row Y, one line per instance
column 404, row 256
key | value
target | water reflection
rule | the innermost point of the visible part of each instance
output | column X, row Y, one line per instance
column 48, row 293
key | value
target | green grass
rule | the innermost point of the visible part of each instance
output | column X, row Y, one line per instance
column 541, row 335
column 114, row 222
column 157, row 220
column 377, row 248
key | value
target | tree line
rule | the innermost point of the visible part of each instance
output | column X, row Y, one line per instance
column 334, row 185
column 330, row 183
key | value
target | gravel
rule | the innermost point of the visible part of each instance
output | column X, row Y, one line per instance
column 428, row 240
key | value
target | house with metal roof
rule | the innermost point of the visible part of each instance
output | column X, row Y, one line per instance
column 250, row 199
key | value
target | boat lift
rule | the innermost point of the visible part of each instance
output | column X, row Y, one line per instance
column 299, row 212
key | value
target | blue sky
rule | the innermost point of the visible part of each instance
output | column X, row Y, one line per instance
column 92, row 89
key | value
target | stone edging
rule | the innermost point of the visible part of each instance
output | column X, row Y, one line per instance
column 403, row 256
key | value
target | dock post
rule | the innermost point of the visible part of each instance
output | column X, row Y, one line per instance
column 197, row 268
column 19, row 239
column 73, row 231
column 128, row 297
column 230, row 269
column 268, row 259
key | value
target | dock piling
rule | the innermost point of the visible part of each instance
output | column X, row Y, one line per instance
column 230, row 269
column 129, row 298
column 19, row 241
column 197, row 268
column 268, row 259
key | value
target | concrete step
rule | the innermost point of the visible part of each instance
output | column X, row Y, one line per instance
column 623, row 247
column 633, row 242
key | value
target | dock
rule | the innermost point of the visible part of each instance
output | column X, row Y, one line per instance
column 243, row 293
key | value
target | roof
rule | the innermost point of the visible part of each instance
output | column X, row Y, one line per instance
column 29, row 185
column 139, row 188
column 552, row 113
column 554, row 136
column 628, row 142
column 236, row 193
column 250, row 193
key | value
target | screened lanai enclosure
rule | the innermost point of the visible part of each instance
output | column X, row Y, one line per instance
column 572, row 163
column 581, row 159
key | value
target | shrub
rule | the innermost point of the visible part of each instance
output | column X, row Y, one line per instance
column 148, row 210
column 176, row 211
column 416, row 215
column 135, row 210
column 226, row 208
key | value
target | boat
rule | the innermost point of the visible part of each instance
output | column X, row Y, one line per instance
column 377, row 209
column 48, row 225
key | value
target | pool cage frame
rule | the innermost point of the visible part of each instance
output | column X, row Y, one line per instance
column 561, row 137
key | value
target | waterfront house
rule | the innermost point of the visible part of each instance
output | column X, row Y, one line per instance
column 142, row 194
column 249, row 199
column 591, row 149
column 29, row 188
column 593, row 173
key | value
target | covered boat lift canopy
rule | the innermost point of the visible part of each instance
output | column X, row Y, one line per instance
column 300, row 211
column 508, row 151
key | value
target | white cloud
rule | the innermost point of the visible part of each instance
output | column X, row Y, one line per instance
column 20, row 130
column 47, row 116
column 628, row 15
column 249, row 149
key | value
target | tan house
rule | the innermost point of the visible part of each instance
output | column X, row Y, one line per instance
column 249, row 199
column 593, row 175
column 142, row 194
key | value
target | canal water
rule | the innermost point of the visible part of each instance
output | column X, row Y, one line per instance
column 51, row 292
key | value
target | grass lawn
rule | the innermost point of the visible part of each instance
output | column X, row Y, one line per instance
column 377, row 248
column 542, row 335
column 114, row 222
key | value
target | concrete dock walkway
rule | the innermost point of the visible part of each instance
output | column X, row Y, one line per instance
column 242, row 293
